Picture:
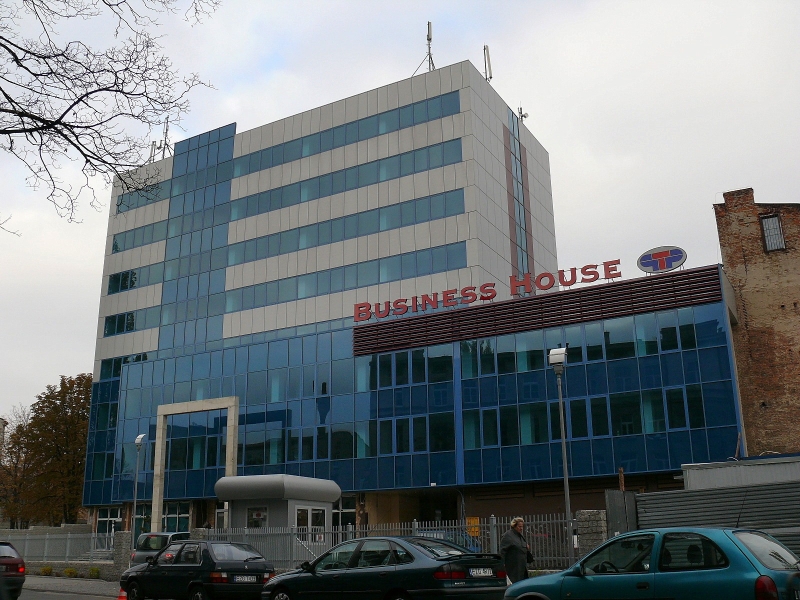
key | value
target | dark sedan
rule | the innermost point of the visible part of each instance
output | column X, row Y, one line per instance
column 150, row 544
column 12, row 572
column 393, row 568
column 197, row 569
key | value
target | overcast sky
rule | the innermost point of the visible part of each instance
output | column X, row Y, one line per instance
column 649, row 110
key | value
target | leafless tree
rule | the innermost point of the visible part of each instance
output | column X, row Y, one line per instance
column 62, row 100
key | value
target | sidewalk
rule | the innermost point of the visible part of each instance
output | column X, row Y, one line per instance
column 87, row 587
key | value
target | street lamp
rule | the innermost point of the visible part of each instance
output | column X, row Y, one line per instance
column 139, row 441
column 558, row 359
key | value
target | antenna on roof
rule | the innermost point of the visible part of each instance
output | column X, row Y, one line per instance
column 162, row 145
column 522, row 115
column 428, row 56
column 487, row 64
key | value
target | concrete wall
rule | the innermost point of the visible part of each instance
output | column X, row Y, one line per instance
column 767, row 336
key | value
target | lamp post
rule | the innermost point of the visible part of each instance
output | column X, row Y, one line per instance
column 139, row 441
column 558, row 359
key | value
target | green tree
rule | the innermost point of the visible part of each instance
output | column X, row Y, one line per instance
column 17, row 470
column 56, row 434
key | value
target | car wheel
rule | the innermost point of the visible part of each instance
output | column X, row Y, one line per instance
column 197, row 593
column 134, row 591
column 281, row 594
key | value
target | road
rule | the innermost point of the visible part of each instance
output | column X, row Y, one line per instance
column 39, row 595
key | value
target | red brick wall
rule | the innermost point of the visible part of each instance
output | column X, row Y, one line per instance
column 767, row 337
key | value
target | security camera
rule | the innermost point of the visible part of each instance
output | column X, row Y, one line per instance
column 557, row 356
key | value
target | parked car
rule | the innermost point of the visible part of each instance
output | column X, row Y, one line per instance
column 197, row 570
column 685, row 563
column 456, row 535
column 393, row 568
column 12, row 571
column 150, row 544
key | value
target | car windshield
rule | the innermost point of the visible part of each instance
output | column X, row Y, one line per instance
column 769, row 552
column 149, row 543
column 439, row 548
column 235, row 552
column 8, row 551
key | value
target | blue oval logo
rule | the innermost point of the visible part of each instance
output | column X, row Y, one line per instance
column 661, row 259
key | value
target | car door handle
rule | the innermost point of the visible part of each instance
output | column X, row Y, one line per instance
column 642, row 585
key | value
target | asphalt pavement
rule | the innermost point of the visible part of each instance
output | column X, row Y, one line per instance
column 64, row 588
column 37, row 595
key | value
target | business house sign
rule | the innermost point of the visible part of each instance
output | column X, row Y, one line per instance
column 363, row 311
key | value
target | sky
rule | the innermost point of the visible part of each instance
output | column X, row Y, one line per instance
column 649, row 111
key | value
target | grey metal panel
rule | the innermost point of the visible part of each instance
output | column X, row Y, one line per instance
column 770, row 506
column 620, row 511
column 741, row 473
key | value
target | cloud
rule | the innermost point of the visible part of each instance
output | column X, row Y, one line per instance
column 649, row 111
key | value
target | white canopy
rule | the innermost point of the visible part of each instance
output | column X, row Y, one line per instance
column 277, row 487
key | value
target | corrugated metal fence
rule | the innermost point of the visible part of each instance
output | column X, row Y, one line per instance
column 34, row 546
column 288, row 547
column 773, row 508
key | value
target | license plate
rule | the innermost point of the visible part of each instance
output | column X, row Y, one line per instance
column 245, row 578
column 481, row 573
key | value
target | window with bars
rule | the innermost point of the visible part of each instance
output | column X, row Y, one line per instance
column 773, row 233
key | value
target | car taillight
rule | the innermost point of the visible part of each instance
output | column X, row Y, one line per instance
column 449, row 572
column 267, row 576
column 766, row 589
column 219, row 577
column 133, row 554
column 21, row 568
column 501, row 574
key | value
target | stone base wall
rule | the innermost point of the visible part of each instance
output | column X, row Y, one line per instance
column 592, row 530
column 108, row 570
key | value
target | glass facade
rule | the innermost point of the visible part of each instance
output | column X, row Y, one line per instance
column 646, row 393
column 518, row 191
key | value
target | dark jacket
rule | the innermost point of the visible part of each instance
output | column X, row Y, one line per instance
column 514, row 550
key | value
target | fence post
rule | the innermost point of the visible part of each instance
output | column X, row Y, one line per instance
column 493, row 534
column 46, row 544
column 27, row 535
column 414, row 528
column 66, row 553
column 291, row 547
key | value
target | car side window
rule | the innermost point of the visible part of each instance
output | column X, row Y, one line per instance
column 190, row 555
column 338, row 558
column 630, row 554
column 402, row 556
column 375, row 553
column 690, row 552
column 167, row 557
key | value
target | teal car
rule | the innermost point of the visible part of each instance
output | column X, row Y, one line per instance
column 675, row 563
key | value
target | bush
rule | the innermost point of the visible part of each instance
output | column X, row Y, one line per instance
column 46, row 571
column 94, row 573
column 70, row 572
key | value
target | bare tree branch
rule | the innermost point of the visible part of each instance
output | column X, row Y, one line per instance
column 64, row 101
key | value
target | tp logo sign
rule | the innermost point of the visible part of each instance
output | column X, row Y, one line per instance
column 661, row 259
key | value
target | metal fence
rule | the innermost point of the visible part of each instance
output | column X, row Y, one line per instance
column 33, row 546
column 285, row 548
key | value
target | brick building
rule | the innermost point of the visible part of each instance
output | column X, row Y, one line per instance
column 760, row 246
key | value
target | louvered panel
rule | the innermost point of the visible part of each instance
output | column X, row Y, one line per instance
column 648, row 294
